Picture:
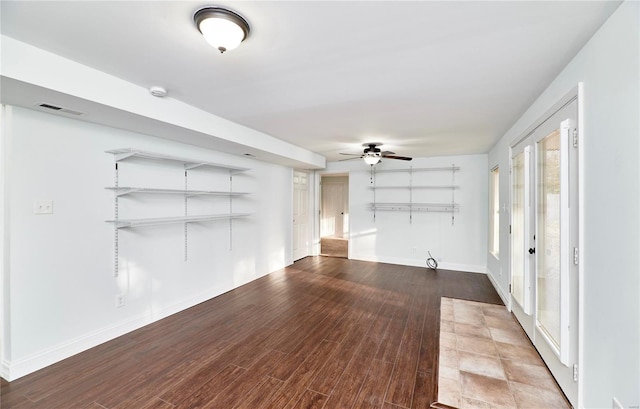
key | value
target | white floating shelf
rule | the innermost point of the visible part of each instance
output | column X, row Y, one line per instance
column 443, row 169
column 128, row 153
column 443, row 187
column 121, row 191
column 416, row 207
column 121, row 224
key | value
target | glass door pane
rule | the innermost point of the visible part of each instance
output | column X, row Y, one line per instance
column 548, row 240
column 518, row 230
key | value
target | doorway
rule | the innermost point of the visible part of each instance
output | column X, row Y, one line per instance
column 301, row 223
column 334, row 216
column 544, row 241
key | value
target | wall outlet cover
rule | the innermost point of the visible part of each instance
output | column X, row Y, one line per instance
column 43, row 206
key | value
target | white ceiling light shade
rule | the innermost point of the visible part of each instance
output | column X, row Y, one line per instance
column 222, row 28
column 372, row 158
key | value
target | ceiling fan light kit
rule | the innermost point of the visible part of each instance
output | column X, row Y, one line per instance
column 371, row 158
column 373, row 155
column 222, row 28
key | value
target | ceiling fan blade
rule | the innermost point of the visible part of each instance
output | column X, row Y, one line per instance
column 350, row 154
column 396, row 157
column 387, row 153
column 342, row 160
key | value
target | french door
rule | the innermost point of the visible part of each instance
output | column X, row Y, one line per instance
column 544, row 242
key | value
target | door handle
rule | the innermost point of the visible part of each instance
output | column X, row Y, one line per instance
column 532, row 250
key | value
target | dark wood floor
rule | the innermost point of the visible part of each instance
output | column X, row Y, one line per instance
column 323, row 333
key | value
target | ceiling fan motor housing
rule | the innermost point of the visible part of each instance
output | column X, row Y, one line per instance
column 372, row 147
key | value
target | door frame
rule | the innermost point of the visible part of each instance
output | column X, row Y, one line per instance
column 318, row 206
column 576, row 93
column 310, row 218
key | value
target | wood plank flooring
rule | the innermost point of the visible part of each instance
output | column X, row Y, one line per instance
column 334, row 247
column 322, row 333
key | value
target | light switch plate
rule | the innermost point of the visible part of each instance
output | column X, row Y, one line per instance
column 43, row 207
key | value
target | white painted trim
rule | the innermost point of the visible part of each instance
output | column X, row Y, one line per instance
column 581, row 229
column 468, row 268
column 5, row 237
column 310, row 210
column 17, row 369
column 565, row 259
column 4, row 370
column 292, row 227
column 318, row 206
column 502, row 295
column 315, row 238
column 528, row 214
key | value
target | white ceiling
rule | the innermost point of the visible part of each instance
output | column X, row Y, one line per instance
column 424, row 77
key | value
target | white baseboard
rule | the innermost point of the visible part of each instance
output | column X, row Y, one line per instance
column 421, row 263
column 503, row 296
column 12, row 370
column 4, row 370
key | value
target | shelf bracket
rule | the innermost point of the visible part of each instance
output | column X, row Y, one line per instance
column 186, row 213
column 230, row 211
column 453, row 193
column 190, row 166
column 410, row 194
column 116, row 258
column 122, row 156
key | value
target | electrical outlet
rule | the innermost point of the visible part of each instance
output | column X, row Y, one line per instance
column 415, row 249
column 43, row 207
column 120, row 300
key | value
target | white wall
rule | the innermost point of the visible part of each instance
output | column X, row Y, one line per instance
column 61, row 295
column 609, row 67
column 391, row 238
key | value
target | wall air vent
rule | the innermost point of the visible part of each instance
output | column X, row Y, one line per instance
column 49, row 106
column 60, row 109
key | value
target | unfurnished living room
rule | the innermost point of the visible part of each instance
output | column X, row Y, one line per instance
column 320, row 204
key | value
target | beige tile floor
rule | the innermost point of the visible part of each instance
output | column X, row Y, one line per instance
column 487, row 361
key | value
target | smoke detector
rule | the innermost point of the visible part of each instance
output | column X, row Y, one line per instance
column 158, row 91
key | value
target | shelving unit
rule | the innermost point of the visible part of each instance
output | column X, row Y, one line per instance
column 411, row 206
column 417, row 207
column 128, row 154
column 121, row 155
column 122, row 191
column 125, row 223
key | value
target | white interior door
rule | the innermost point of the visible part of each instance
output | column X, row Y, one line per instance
column 301, row 230
column 522, row 238
column 334, row 218
column 544, row 242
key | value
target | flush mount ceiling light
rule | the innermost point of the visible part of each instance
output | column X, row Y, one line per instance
column 222, row 28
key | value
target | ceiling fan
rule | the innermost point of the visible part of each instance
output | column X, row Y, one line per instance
column 372, row 154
